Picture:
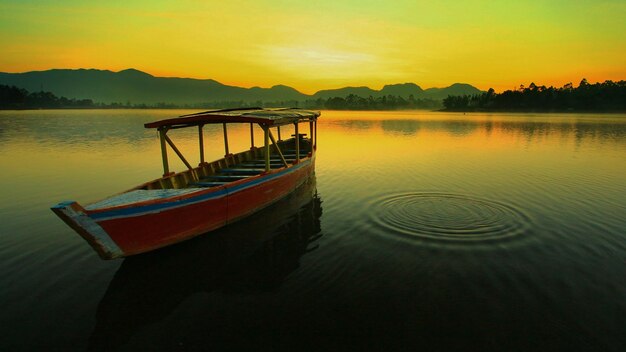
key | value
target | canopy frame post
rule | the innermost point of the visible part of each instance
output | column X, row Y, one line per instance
column 266, row 129
column 251, row 135
column 162, row 136
column 311, row 134
column 225, row 140
column 297, row 143
column 201, row 143
column 278, row 128
column 315, row 140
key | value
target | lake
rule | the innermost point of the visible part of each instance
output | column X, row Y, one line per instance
column 421, row 230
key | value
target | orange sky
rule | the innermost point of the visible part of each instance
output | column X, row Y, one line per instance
column 324, row 44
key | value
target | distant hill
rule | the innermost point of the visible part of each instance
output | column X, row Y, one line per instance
column 455, row 89
column 344, row 92
column 139, row 87
column 402, row 90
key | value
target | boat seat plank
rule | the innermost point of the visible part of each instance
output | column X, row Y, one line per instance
column 241, row 171
column 293, row 152
column 257, row 161
column 276, row 162
column 261, row 165
column 224, row 177
column 294, row 155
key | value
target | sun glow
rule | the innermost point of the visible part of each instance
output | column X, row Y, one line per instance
column 320, row 63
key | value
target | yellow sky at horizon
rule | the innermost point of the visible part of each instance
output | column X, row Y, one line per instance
column 324, row 44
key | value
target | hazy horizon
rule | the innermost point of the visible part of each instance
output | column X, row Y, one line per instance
column 575, row 82
column 373, row 87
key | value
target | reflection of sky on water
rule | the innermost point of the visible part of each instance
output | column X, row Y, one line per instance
column 600, row 128
column 555, row 181
column 104, row 127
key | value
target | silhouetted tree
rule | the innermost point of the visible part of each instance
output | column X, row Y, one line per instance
column 12, row 97
column 606, row 96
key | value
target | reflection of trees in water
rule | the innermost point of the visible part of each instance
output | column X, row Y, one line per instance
column 357, row 124
column 605, row 131
column 580, row 130
column 401, row 126
column 528, row 130
column 93, row 127
column 409, row 127
column 73, row 128
column 252, row 255
column 488, row 126
column 461, row 128
column 601, row 131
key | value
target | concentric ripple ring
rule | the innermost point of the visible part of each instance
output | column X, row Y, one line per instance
column 448, row 217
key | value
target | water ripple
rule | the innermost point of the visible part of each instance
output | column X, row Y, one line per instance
column 448, row 217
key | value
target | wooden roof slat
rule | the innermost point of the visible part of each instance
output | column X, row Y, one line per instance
column 270, row 117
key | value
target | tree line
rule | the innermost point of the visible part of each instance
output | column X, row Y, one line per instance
column 15, row 98
column 386, row 102
column 598, row 97
column 350, row 102
column 12, row 97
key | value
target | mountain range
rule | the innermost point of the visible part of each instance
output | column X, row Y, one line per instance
column 137, row 87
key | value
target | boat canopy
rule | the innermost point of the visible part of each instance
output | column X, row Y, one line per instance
column 267, row 117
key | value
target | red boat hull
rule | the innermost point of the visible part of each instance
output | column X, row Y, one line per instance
column 137, row 228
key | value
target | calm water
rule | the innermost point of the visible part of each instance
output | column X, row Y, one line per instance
column 421, row 230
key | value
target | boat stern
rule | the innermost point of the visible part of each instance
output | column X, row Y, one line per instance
column 74, row 215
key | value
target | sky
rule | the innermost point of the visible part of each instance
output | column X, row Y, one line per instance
column 313, row 45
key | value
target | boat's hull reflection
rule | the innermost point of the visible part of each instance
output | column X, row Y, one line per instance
column 252, row 255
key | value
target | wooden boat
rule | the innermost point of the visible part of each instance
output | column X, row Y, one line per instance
column 179, row 206
column 250, row 256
